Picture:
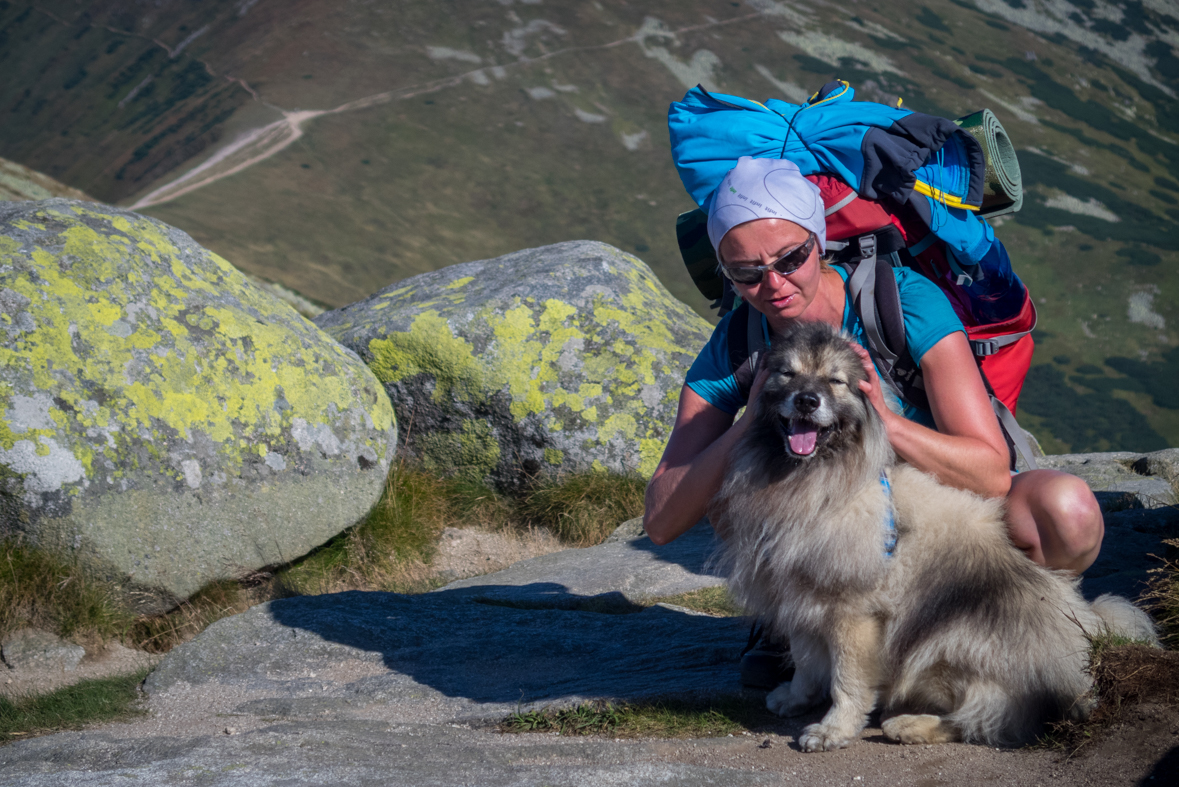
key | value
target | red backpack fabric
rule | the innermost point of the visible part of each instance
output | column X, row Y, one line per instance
column 1002, row 349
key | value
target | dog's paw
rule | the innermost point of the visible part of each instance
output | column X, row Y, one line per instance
column 780, row 702
column 917, row 728
column 820, row 737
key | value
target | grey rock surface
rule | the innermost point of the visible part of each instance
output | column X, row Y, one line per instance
column 1123, row 480
column 35, row 649
column 630, row 529
column 162, row 419
column 1164, row 464
column 378, row 688
column 362, row 753
column 627, row 568
column 448, row 656
column 541, row 362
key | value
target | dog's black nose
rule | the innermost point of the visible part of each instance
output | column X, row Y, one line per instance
column 806, row 402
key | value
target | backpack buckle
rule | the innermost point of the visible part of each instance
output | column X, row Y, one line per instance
column 984, row 347
column 868, row 248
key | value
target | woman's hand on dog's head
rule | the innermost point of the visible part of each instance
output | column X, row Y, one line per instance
column 759, row 382
column 871, row 387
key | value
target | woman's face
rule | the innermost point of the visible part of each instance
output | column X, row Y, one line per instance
column 761, row 242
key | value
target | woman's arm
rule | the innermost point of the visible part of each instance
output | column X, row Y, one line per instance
column 968, row 451
column 692, row 467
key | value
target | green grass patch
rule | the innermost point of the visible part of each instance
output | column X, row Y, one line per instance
column 42, row 590
column 670, row 718
column 711, row 601
column 87, row 702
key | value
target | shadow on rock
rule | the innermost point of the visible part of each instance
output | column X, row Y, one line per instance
column 465, row 644
column 488, row 653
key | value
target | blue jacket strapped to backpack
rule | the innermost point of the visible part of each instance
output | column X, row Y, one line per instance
column 909, row 157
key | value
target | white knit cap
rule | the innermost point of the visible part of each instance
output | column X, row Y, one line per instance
column 766, row 188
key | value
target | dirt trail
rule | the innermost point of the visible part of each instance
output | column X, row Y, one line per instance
column 262, row 143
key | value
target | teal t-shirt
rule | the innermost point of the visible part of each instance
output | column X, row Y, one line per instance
column 928, row 316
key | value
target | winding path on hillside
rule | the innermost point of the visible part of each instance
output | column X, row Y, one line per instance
column 262, row 143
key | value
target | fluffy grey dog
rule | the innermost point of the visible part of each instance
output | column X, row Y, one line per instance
column 955, row 633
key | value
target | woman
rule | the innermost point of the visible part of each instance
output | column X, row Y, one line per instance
column 766, row 222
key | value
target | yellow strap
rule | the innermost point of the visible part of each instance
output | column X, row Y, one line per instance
column 941, row 196
column 846, row 86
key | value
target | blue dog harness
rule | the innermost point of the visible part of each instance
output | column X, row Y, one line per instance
column 890, row 519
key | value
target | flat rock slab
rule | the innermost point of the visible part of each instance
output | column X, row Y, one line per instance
column 392, row 754
column 627, row 569
column 445, row 656
column 356, row 753
column 1123, row 480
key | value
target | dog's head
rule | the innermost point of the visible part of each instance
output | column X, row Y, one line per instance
column 811, row 405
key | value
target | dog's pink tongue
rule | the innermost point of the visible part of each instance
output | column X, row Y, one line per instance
column 802, row 440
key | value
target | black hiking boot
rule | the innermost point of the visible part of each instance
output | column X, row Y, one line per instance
column 765, row 664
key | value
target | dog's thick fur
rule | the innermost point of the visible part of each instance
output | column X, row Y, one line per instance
column 957, row 635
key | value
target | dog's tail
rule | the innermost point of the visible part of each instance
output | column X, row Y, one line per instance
column 1123, row 619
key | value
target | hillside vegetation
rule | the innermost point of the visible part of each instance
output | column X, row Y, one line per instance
column 334, row 147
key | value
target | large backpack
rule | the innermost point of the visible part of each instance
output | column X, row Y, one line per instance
column 868, row 237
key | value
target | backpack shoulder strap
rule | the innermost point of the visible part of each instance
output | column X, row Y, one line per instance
column 747, row 344
column 876, row 299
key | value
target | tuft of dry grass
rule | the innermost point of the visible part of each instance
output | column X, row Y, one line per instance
column 583, row 509
column 52, row 593
column 1126, row 672
column 219, row 599
column 393, row 547
column 1162, row 595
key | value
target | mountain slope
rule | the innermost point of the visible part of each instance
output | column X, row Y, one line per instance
column 337, row 146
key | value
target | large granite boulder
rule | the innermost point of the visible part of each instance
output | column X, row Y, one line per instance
column 164, row 419
column 544, row 361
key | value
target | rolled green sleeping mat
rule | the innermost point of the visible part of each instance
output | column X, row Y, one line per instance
column 1003, row 186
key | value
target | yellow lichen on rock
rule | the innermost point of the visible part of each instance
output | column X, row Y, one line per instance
column 134, row 359
column 574, row 348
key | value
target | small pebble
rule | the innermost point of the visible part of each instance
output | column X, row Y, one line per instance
column 231, row 730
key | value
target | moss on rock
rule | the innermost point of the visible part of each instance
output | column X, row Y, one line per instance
column 550, row 360
column 163, row 416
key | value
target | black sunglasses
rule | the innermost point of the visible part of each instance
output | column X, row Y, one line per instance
column 785, row 265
